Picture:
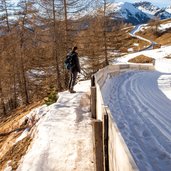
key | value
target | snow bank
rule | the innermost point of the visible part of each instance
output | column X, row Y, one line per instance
column 164, row 51
column 164, row 27
column 163, row 65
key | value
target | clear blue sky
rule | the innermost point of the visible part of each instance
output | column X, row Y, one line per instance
column 159, row 3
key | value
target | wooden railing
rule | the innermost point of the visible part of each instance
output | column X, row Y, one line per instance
column 111, row 151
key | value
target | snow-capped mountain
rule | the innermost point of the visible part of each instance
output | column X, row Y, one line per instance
column 147, row 8
column 127, row 12
column 152, row 10
column 136, row 13
column 168, row 9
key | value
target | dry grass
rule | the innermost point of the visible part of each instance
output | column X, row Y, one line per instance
column 164, row 39
column 15, row 153
column 141, row 59
column 9, row 150
column 168, row 57
column 161, row 38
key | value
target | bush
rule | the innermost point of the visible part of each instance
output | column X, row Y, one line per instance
column 51, row 98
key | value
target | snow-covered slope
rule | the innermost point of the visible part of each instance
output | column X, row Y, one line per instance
column 147, row 7
column 153, row 11
column 137, row 13
column 156, row 54
column 168, row 9
column 127, row 12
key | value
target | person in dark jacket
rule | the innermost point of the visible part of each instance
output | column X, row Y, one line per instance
column 74, row 70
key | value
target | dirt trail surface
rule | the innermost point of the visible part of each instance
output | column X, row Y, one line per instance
column 63, row 138
column 140, row 101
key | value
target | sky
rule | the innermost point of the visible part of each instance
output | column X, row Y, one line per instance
column 159, row 3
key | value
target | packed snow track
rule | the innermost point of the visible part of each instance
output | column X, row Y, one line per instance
column 140, row 102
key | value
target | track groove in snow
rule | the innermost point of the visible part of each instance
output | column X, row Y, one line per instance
column 142, row 112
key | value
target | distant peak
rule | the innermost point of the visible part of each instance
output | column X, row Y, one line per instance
column 143, row 3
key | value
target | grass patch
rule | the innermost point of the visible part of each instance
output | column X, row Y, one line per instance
column 168, row 57
column 151, row 34
column 9, row 151
column 15, row 153
column 52, row 97
column 141, row 59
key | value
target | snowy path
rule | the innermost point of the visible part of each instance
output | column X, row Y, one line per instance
column 133, row 34
column 141, row 104
column 63, row 140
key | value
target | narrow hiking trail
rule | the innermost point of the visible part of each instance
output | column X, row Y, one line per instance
column 140, row 102
column 63, row 137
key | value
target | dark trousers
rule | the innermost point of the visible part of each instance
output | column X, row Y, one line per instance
column 73, row 77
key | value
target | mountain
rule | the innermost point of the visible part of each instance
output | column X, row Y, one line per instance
column 137, row 13
column 147, row 8
column 168, row 9
column 153, row 11
column 128, row 13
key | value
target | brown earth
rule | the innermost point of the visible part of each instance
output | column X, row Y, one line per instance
column 141, row 59
column 160, row 38
column 11, row 152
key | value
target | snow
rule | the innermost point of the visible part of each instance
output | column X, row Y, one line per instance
column 164, row 27
column 23, row 135
column 124, row 8
column 136, row 44
column 35, row 73
column 168, row 9
column 137, row 29
column 164, row 82
column 8, row 167
column 157, row 54
column 150, row 13
column 163, row 65
column 130, row 49
column 142, row 111
column 63, row 135
column 140, row 102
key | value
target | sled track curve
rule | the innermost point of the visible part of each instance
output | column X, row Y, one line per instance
column 142, row 112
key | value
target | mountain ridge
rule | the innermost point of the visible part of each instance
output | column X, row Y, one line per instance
column 138, row 12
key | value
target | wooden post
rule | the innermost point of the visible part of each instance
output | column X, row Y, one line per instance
column 93, row 102
column 98, row 145
column 92, row 81
column 105, row 139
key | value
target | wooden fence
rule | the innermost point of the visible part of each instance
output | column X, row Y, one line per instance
column 111, row 151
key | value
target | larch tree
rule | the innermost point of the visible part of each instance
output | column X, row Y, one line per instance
column 5, row 14
column 24, row 14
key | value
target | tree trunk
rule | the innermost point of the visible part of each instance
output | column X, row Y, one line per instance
column 14, row 87
column 104, row 34
column 6, row 13
column 2, row 98
column 23, row 70
column 55, row 53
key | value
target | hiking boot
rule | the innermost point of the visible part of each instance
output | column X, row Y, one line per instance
column 72, row 91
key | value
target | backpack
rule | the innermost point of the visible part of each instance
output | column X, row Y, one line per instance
column 68, row 63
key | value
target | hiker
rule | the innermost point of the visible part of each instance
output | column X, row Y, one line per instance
column 74, row 69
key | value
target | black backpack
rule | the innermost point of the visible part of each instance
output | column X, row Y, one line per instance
column 68, row 63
